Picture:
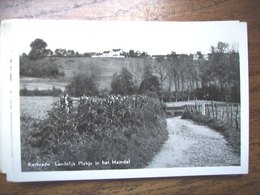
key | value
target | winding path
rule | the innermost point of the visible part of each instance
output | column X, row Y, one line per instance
column 191, row 145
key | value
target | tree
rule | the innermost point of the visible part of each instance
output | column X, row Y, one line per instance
column 144, row 54
column 160, row 67
column 187, row 76
column 219, row 73
column 148, row 72
column 174, row 73
column 136, row 70
column 183, row 75
column 38, row 49
column 123, row 83
column 234, row 79
column 45, row 68
column 150, row 83
column 82, row 84
column 132, row 53
column 203, row 71
column 219, row 65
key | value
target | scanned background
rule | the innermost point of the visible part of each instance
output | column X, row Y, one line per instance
column 156, row 10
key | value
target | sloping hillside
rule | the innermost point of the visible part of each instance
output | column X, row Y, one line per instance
column 103, row 68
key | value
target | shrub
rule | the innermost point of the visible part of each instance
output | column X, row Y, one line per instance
column 123, row 83
column 44, row 67
column 82, row 84
column 102, row 129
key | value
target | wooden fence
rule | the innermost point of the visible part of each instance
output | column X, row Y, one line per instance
column 228, row 113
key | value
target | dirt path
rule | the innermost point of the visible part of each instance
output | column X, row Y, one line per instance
column 191, row 145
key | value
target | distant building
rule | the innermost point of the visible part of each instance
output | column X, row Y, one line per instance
column 114, row 53
column 70, row 53
column 60, row 52
column 49, row 52
column 159, row 56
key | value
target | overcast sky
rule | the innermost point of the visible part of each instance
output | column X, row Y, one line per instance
column 151, row 37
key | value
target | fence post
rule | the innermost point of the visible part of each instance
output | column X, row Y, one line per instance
column 223, row 113
column 227, row 112
column 203, row 110
column 231, row 115
column 237, row 112
column 208, row 112
column 212, row 108
column 216, row 110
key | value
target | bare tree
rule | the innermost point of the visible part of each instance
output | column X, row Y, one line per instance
column 160, row 68
column 136, row 70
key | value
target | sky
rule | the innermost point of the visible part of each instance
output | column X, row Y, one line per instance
column 151, row 37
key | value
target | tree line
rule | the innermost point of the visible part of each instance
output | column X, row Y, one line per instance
column 171, row 77
column 214, row 76
column 39, row 50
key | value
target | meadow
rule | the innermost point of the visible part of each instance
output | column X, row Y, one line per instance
column 103, row 68
column 36, row 107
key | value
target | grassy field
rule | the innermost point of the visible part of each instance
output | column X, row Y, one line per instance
column 32, row 83
column 36, row 107
column 104, row 68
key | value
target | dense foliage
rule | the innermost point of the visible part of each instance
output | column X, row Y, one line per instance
column 46, row 67
column 123, row 83
column 38, row 49
column 150, row 84
column 82, row 84
column 99, row 129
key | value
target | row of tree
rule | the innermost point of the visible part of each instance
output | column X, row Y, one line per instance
column 123, row 83
column 214, row 76
column 176, row 77
column 39, row 50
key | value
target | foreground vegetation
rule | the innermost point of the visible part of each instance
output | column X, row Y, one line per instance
column 102, row 131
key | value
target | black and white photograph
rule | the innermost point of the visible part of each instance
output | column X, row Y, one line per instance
column 145, row 96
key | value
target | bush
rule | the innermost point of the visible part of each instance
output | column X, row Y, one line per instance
column 102, row 129
column 82, row 84
column 44, row 67
column 123, row 83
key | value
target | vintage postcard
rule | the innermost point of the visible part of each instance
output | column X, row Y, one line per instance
column 104, row 100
